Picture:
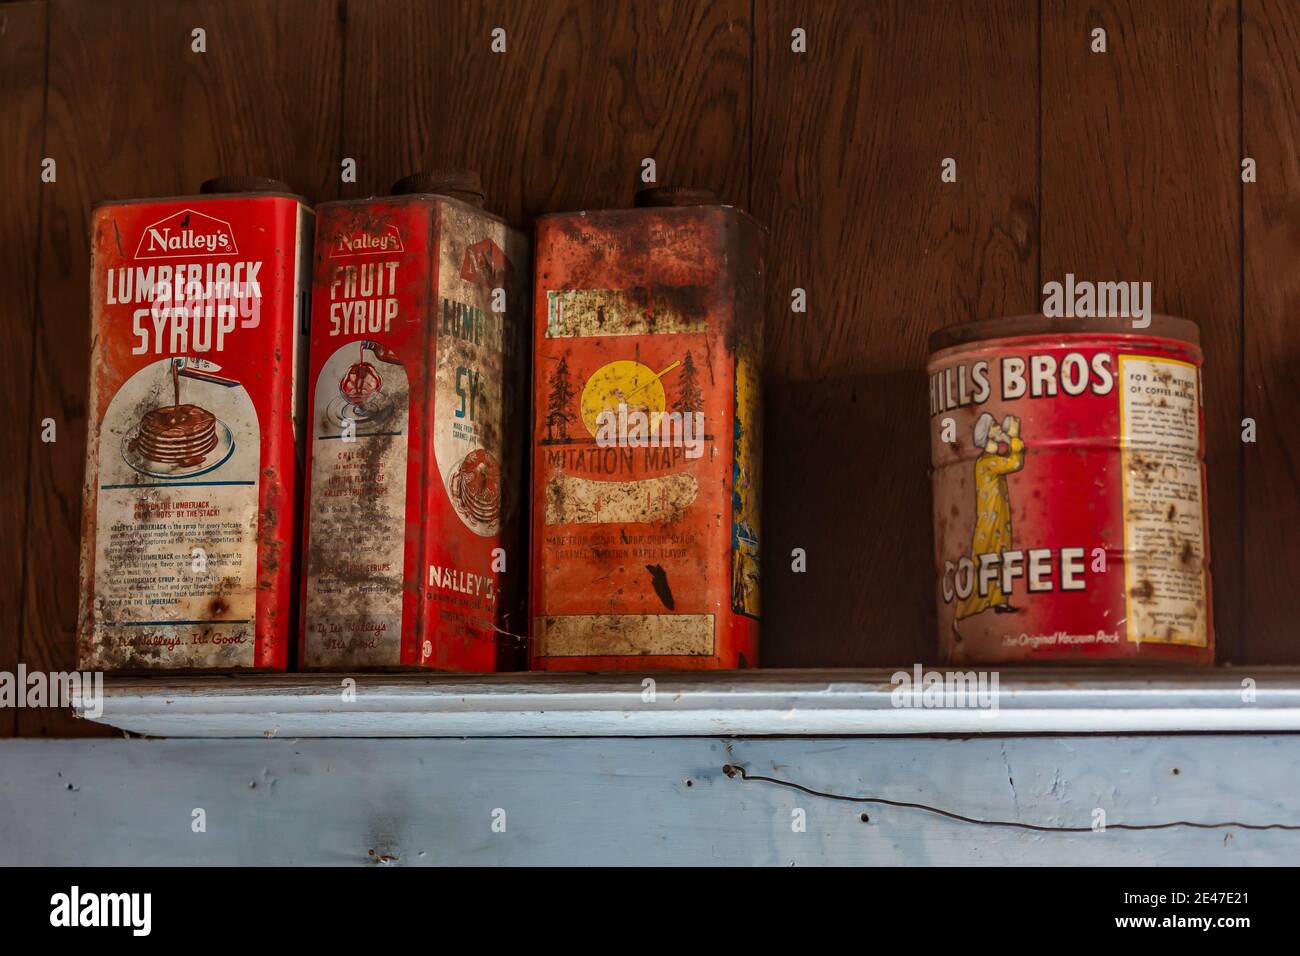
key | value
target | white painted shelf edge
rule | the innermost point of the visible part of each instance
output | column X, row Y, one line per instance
column 738, row 703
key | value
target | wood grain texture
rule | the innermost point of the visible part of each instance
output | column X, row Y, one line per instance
column 644, row 802
column 22, row 117
column 134, row 112
column 849, row 138
column 836, row 150
column 1140, row 181
column 563, row 118
column 1271, row 386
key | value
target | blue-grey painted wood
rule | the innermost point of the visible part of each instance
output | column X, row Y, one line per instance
column 641, row 801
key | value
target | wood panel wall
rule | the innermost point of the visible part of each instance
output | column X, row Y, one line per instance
column 1270, row 379
column 22, row 118
column 1142, row 181
column 848, row 142
column 1122, row 165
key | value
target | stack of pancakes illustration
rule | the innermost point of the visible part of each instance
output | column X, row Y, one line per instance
column 475, row 487
column 176, row 435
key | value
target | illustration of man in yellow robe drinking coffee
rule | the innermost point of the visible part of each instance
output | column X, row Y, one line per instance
column 1003, row 454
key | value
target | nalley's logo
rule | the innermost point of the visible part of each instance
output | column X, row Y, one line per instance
column 368, row 243
column 485, row 264
column 187, row 235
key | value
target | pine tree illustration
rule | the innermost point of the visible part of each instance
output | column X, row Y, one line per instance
column 558, row 414
column 690, row 397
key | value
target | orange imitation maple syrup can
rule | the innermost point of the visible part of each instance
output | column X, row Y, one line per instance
column 1069, row 492
column 647, row 436
column 413, row 551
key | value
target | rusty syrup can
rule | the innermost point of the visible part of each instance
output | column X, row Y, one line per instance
column 647, row 436
column 1069, row 491
column 417, row 416
column 198, row 320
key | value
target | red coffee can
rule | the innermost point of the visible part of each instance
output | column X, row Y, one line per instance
column 1069, row 491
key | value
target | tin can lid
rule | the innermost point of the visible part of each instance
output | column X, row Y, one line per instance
column 462, row 184
column 966, row 333
column 243, row 184
column 658, row 196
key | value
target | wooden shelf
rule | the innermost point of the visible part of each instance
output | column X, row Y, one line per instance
column 741, row 703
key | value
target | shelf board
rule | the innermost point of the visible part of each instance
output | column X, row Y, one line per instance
column 739, row 703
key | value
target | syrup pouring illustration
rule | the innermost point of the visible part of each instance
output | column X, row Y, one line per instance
column 361, row 381
column 181, row 440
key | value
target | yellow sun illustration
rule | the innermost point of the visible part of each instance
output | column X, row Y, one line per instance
column 623, row 382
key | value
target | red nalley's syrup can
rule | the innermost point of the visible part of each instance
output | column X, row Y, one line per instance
column 198, row 315
column 647, row 436
column 417, row 418
column 1069, row 491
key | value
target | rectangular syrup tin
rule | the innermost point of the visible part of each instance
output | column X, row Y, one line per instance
column 413, row 550
column 198, row 315
column 645, row 536
column 1069, row 492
